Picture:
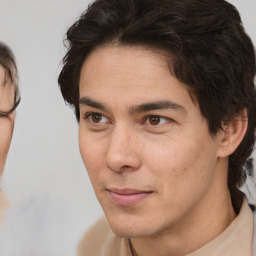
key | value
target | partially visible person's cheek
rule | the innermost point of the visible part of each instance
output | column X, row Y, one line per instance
column 6, row 130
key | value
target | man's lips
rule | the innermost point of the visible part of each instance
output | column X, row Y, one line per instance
column 127, row 197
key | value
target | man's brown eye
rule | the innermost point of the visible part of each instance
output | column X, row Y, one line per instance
column 154, row 120
column 96, row 118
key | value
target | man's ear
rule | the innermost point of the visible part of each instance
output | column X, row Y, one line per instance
column 233, row 134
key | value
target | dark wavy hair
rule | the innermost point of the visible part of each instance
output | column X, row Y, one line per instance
column 7, row 61
column 209, row 51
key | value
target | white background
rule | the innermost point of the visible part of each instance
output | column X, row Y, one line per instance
column 44, row 164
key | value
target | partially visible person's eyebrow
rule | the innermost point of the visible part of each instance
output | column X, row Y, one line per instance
column 166, row 104
column 89, row 102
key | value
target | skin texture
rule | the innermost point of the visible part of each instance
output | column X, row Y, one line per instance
column 166, row 152
column 6, row 123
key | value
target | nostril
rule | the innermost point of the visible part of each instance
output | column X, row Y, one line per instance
column 122, row 168
column 118, row 168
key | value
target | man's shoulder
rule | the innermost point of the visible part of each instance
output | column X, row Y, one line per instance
column 100, row 240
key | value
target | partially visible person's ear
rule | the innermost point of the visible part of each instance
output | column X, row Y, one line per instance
column 233, row 134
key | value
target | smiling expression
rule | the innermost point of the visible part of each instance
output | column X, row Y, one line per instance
column 151, row 159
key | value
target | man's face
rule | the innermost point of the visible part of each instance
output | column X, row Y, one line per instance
column 6, row 122
column 151, row 160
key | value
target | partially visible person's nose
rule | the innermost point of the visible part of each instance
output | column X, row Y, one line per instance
column 122, row 151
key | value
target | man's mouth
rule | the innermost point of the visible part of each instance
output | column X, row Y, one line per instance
column 127, row 196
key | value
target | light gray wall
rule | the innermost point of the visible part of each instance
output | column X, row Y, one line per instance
column 44, row 160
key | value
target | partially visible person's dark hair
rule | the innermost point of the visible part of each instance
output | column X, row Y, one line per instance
column 7, row 61
column 208, row 50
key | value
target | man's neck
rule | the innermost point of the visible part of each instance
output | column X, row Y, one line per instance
column 194, row 231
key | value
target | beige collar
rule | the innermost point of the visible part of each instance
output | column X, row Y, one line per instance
column 236, row 240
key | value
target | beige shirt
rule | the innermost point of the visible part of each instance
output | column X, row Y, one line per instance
column 236, row 240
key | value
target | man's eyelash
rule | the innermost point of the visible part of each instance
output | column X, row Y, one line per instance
column 87, row 115
column 154, row 120
column 147, row 118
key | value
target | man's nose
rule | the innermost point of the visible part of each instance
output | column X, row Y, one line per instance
column 123, row 152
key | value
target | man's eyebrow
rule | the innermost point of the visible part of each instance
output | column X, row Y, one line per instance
column 145, row 107
column 166, row 104
column 89, row 102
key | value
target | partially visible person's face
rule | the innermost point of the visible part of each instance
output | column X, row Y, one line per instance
column 6, row 122
column 145, row 145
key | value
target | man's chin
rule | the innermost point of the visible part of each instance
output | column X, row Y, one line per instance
column 127, row 228
column 124, row 233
